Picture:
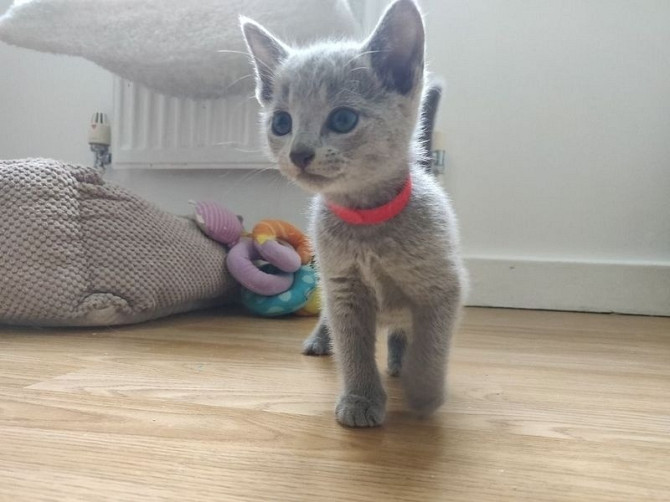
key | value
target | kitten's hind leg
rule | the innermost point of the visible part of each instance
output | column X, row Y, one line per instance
column 318, row 343
column 397, row 343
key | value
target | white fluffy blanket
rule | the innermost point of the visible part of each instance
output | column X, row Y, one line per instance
column 191, row 48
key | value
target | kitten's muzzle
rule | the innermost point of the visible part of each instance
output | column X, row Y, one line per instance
column 302, row 157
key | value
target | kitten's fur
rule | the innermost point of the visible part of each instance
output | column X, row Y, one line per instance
column 405, row 274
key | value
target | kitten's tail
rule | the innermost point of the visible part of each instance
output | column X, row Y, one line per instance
column 429, row 104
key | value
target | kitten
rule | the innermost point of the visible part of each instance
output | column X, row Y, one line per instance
column 340, row 119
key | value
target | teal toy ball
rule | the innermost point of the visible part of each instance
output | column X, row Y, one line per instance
column 295, row 298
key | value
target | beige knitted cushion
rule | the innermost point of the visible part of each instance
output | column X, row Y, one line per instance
column 77, row 251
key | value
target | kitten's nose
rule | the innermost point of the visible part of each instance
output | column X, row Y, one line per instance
column 302, row 157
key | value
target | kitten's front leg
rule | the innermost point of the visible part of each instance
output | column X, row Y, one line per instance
column 425, row 365
column 318, row 343
column 352, row 319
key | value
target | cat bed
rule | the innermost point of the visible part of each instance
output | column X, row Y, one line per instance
column 76, row 251
column 189, row 48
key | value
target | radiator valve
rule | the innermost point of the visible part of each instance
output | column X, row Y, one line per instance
column 99, row 139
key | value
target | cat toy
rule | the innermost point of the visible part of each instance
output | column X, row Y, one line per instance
column 273, row 262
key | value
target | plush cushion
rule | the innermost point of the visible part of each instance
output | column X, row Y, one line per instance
column 76, row 251
column 172, row 46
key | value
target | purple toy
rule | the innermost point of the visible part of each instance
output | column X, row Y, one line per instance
column 218, row 223
column 225, row 227
column 240, row 262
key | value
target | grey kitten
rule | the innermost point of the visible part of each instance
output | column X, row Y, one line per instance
column 340, row 120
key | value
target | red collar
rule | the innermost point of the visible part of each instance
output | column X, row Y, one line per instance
column 377, row 214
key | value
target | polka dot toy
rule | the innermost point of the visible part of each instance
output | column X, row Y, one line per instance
column 295, row 298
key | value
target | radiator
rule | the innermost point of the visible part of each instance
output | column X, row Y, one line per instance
column 151, row 130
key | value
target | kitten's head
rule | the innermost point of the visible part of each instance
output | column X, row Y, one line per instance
column 340, row 116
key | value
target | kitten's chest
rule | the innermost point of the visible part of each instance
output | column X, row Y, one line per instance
column 371, row 255
column 392, row 303
column 375, row 262
column 378, row 274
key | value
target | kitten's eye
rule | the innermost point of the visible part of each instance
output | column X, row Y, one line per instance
column 342, row 120
column 281, row 123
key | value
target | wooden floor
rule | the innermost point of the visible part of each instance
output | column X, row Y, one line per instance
column 543, row 406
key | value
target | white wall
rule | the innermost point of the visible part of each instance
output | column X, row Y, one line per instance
column 557, row 118
column 253, row 194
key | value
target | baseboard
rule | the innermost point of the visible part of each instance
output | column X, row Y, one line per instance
column 630, row 288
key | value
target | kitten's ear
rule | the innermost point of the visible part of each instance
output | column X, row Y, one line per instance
column 267, row 53
column 396, row 47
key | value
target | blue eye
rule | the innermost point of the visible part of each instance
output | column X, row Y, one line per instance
column 342, row 120
column 281, row 123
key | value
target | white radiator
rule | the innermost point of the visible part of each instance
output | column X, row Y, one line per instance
column 151, row 130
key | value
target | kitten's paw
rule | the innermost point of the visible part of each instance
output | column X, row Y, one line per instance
column 359, row 411
column 424, row 405
column 315, row 345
